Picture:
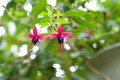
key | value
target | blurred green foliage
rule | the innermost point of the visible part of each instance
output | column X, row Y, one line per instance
column 92, row 30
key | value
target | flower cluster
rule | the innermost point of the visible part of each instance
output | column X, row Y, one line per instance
column 60, row 37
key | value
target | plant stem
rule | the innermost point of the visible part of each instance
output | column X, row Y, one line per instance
column 90, row 67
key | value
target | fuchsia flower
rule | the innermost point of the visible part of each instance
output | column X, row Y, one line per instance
column 35, row 36
column 60, row 37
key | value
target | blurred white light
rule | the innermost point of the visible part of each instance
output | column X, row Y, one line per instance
column 92, row 5
column 1, row 74
column 115, row 28
column 56, row 65
column 65, row 40
column 73, row 68
column 35, row 48
column 52, row 2
column 14, row 49
column 11, row 28
column 28, row 7
column 2, row 31
column 66, row 46
column 28, row 13
column 44, row 30
column 95, row 45
column 75, row 54
column 3, row 44
column 81, row 36
column 66, row 19
column 40, row 16
column 26, row 61
column 81, row 8
column 32, row 56
column 102, row 0
column 39, row 73
column 102, row 41
column 38, row 27
column 3, row 3
column 1, row 10
column 23, row 50
column 59, row 73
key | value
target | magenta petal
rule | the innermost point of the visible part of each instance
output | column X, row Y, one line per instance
column 30, row 35
column 60, row 30
column 35, row 31
column 53, row 35
column 42, row 37
column 66, row 34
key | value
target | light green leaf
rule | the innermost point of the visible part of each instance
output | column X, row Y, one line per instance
column 75, row 13
column 49, row 10
column 39, row 8
column 45, row 24
column 43, row 14
column 60, row 21
column 57, row 14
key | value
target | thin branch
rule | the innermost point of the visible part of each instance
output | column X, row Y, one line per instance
column 49, row 75
column 7, row 11
column 90, row 67
column 72, row 46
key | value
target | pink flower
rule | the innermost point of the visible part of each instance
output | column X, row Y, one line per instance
column 60, row 37
column 35, row 36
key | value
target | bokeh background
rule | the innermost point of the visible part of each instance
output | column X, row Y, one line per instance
column 95, row 24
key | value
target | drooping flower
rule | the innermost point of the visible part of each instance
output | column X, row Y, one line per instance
column 36, row 37
column 60, row 37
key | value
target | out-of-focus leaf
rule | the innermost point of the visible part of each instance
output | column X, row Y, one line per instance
column 20, row 14
column 49, row 10
column 41, row 20
column 11, row 4
column 45, row 24
column 80, row 21
column 57, row 14
column 71, row 1
column 60, row 21
column 63, row 7
column 39, row 8
column 19, row 1
column 75, row 13
column 43, row 14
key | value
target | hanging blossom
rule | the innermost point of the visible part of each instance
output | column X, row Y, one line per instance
column 36, row 37
column 60, row 37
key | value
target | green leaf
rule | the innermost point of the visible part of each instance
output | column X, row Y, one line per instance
column 57, row 14
column 75, row 13
column 45, row 24
column 39, row 8
column 41, row 20
column 43, row 14
column 49, row 10
column 81, row 22
column 60, row 21
column 45, row 33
